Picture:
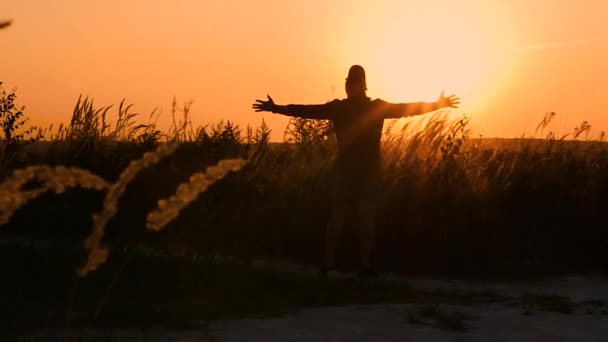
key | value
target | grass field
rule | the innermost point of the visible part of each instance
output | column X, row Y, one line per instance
column 452, row 205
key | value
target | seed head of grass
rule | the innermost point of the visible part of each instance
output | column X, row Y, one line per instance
column 57, row 179
column 97, row 254
column 168, row 209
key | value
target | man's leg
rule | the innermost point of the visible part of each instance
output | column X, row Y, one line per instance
column 335, row 227
column 366, row 211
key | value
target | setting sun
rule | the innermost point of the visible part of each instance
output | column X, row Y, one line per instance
column 414, row 52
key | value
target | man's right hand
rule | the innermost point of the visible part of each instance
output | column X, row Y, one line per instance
column 264, row 106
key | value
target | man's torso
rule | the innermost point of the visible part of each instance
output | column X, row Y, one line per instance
column 358, row 126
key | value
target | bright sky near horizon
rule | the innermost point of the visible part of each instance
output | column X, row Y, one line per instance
column 510, row 61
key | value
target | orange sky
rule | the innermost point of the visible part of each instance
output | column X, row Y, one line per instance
column 509, row 60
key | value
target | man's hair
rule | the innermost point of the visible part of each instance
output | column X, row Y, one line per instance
column 356, row 73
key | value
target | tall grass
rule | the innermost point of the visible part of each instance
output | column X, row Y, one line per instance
column 97, row 254
column 451, row 202
column 168, row 209
column 14, row 195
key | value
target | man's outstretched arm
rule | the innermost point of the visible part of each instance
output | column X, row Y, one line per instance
column 400, row 110
column 319, row 111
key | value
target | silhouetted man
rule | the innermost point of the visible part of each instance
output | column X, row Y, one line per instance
column 358, row 122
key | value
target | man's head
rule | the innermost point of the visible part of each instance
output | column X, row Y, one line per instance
column 355, row 82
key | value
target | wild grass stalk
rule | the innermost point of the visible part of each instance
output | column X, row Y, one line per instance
column 98, row 254
column 57, row 179
column 168, row 209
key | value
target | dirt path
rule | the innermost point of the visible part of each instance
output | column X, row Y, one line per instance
column 391, row 323
column 585, row 298
column 565, row 309
column 571, row 308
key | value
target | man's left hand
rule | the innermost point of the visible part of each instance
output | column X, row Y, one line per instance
column 451, row 101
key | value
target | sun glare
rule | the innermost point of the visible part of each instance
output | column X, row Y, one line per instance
column 413, row 52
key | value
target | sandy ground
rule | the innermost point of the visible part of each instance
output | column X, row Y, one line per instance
column 392, row 322
column 498, row 321
column 493, row 322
